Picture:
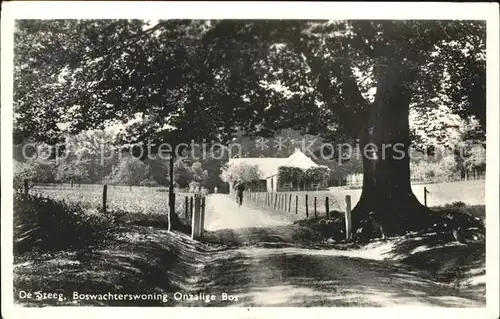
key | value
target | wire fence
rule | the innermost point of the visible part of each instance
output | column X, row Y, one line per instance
column 135, row 199
column 315, row 204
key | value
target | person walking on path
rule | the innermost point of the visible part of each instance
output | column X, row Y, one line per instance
column 240, row 188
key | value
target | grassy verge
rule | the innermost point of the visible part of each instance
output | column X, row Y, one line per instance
column 119, row 266
column 45, row 225
column 434, row 251
column 445, row 260
column 64, row 249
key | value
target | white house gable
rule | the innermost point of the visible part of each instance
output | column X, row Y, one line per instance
column 269, row 166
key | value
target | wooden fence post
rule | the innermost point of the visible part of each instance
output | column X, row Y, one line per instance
column 275, row 200
column 425, row 196
column 171, row 189
column 284, row 204
column 327, row 207
column 285, row 199
column 315, row 210
column 195, row 228
column 191, row 207
column 348, row 224
column 104, row 197
column 186, row 207
column 171, row 206
column 202, row 216
column 307, row 206
column 296, row 204
column 26, row 186
column 290, row 203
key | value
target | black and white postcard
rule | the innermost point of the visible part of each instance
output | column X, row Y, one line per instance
column 250, row 159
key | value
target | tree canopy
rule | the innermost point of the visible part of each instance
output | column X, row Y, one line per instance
column 197, row 78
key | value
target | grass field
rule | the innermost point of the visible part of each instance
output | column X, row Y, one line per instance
column 470, row 193
column 153, row 201
column 138, row 200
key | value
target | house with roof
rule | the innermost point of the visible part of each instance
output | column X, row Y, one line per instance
column 269, row 167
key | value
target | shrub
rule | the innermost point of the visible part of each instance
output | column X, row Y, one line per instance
column 469, row 214
column 234, row 171
column 156, row 220
column 44, row 224
column 22, row 171
column 317, row 175
column 333, row 227
column 149, row 183
column 291, row 175
column 455, row 205
column 194, row 187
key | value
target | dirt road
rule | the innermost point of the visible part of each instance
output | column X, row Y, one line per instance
column 267, row 269
column 223, row 212
column 253, row 257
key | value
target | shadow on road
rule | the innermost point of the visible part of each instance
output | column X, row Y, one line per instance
column 269, row 277
column 286, row 235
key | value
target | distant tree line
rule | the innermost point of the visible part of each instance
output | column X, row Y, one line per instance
column 89, row 158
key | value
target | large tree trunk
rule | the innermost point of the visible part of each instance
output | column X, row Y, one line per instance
column 384, row 143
